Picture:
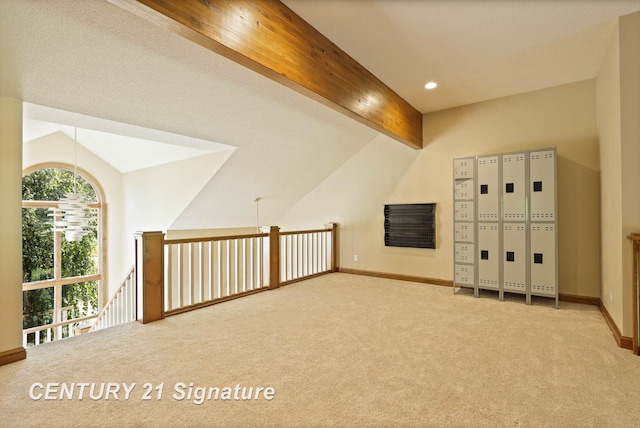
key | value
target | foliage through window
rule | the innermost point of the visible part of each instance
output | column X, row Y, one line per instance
column 61, row 279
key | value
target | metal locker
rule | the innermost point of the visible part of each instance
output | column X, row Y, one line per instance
column 464, row 274
column 505, row 223
column 513, row 187
column 488, row 191
column 514, row 257
column 464, row 232
column 488, row 256
column 463, row 168
column 542, row 188
column 543, row 259
column 463, row 211
column 464, row 252
column 463, row 189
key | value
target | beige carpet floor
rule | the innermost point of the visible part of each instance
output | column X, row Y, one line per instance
column 342, row 350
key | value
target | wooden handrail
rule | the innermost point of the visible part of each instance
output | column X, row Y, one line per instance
column 302, row 232
column 214, row 238
column 152, row 280
column 232, row 237
column 157, row 307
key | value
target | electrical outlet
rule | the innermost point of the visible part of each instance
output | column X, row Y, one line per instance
column 355, row 257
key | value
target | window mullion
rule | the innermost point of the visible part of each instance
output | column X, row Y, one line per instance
column 57, row 313
column 57, row 255
column 57, row 274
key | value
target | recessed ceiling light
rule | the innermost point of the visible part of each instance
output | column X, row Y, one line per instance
column 431, row 85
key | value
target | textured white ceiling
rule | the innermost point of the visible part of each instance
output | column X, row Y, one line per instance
column 97, row 60
column 475, row 49
column 94, row 59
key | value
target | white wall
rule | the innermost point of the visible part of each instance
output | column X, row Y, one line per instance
column 609, row 132
column 354, row 196
column 618, row 110
column 630, row 152
column 10, row 225
column 351, row 197
column 154, row 197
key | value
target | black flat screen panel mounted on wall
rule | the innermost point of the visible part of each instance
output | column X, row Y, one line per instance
column 410, row 225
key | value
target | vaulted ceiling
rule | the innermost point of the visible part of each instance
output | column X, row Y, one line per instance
column 98, row 60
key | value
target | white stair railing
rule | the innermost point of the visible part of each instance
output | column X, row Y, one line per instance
column 67, row 328
column 121, row 308
column 205, row 270
column 191, row 273
column 304, row 254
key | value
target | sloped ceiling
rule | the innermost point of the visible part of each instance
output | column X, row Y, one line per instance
column 125, row 147
column 95, row 59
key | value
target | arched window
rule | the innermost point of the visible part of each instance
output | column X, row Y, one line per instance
column 61, row 279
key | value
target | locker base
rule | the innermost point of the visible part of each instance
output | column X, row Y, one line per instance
column 548, row 296
column 465, row 287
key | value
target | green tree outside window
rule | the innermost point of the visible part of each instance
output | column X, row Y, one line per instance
column 40, row 250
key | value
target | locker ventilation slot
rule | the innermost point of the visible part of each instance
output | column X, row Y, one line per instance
column 410, row 225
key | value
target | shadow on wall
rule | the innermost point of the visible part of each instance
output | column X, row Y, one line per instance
column 578, row 211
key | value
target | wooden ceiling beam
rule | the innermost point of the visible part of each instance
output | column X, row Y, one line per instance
column 269, row 38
